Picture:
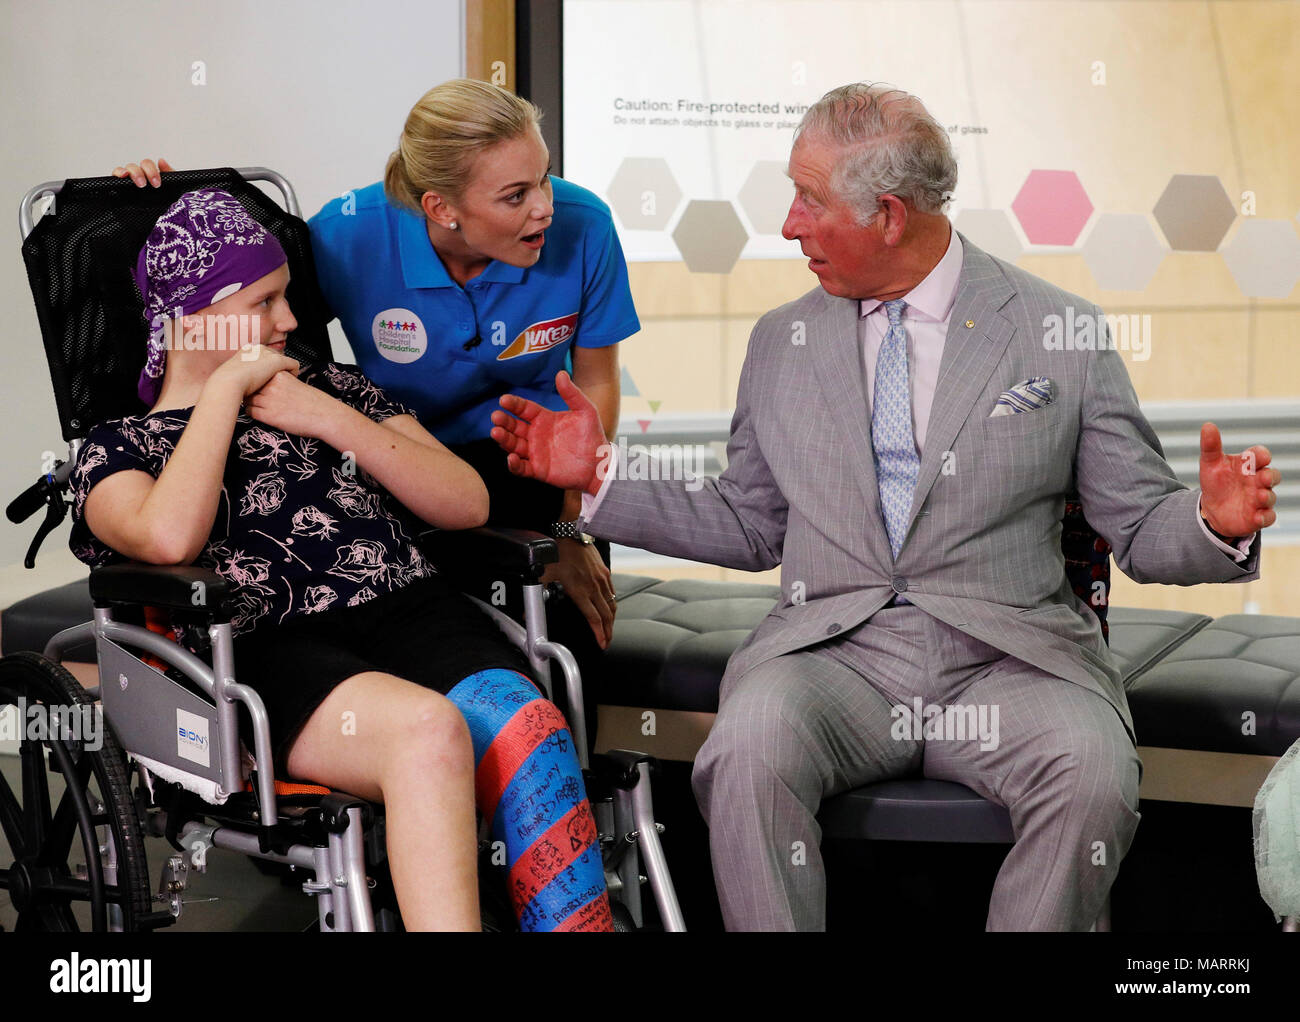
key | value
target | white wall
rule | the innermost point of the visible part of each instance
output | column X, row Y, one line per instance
column 316, row 89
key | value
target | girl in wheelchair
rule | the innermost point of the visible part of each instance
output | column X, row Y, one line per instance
column 298, row 484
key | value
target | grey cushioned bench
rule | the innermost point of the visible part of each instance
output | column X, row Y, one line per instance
column 29, row 623
column 1214, row 702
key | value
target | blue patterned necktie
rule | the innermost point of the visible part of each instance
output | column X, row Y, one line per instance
column 897, row 463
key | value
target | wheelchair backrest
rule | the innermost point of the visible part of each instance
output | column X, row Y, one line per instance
column 80, row 257
column 1087, row 561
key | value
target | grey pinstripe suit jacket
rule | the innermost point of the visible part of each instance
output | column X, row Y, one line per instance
column 983, row 549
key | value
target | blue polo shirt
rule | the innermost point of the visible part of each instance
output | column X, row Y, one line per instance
column 411, row 326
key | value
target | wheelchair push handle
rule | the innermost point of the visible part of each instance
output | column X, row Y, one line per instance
column 44, row 491
column 27, row 503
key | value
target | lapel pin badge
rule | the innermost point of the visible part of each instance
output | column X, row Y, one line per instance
column 969, row 323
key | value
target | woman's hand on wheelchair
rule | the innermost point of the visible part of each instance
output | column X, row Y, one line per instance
column 145, row 172
column 587, row 582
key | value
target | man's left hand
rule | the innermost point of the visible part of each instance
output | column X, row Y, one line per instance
column 1236, row 489
column 587, row 582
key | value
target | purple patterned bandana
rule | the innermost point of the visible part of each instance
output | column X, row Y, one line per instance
column 203, row 249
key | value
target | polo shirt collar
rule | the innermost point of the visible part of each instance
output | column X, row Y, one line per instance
column 498, row 272
column 421, row 266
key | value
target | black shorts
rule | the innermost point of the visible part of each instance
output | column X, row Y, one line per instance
column 425, row 632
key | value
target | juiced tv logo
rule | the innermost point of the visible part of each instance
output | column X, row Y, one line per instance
column 541, row 336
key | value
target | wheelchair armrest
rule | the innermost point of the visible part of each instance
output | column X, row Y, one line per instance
column 475, row 551
column 334, row 811
column 618, row 767
column 176, row 587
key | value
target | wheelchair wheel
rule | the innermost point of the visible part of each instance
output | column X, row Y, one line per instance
column 73, row 802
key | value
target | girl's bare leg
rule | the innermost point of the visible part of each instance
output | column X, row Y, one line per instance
column 390, row 740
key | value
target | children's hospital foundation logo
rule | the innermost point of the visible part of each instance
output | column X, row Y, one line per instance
column 399, row 335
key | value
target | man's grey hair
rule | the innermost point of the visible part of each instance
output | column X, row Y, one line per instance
column 892, row 146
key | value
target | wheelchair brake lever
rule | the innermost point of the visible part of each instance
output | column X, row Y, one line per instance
column 56, row 510
column 27, row 503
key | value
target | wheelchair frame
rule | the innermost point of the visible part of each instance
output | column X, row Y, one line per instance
column 144, row 707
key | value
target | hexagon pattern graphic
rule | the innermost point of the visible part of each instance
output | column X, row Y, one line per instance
column 1123, row 251
column 710, row 236
column 991, row 230
column 1052, row 207
column 644, row 193
column 1264, row 258
column 1194, row 212
column 766, row 196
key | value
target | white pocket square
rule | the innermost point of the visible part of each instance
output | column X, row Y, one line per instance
column 1035, row 392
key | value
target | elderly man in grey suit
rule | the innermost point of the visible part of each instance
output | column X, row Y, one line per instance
column 904, row 439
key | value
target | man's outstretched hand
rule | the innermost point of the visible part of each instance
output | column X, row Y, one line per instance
column 1236, row 489
column 559, row 448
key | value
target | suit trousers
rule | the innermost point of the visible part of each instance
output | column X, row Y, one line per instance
column 802, row 727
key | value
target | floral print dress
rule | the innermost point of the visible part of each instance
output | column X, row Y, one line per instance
column 299, row 528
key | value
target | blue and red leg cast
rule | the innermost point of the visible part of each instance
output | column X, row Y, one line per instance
column 529, row 784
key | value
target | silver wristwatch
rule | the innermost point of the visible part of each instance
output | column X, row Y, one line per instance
column 571, row 530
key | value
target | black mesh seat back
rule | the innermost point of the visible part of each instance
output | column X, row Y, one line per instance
column 80, row 259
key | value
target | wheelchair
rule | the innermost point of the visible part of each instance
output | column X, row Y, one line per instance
column 203, row 789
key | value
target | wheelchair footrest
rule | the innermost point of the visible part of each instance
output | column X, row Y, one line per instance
column 293, row 788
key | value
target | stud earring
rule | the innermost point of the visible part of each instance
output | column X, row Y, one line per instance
column 454, row 226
